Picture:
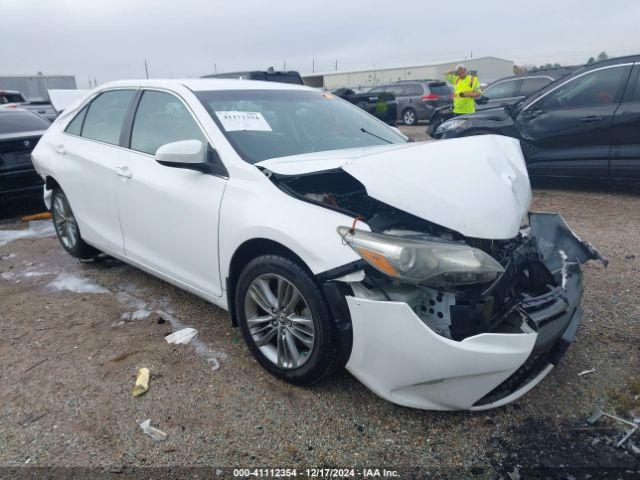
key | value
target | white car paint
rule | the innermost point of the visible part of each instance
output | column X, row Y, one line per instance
column 438, row 180
column 409, row 375
column 184, row 227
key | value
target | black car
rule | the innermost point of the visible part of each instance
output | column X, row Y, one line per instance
column 270, row 75
column 510, row 90
column 20, row 131
column 382, row 105
column 586, row 124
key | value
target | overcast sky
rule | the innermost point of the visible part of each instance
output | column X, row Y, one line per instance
column 110, row 39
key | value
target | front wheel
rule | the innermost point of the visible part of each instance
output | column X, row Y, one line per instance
column 67, row 229
column 285, row 320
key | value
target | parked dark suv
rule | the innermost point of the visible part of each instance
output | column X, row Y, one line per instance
column 511, row 90
column 586, row 124
column 417, row 98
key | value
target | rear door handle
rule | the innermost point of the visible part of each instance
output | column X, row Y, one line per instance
column 124, row 172
column 591, row 119
column 60, row 149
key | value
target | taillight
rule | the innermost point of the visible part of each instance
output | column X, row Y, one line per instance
column 432, row 97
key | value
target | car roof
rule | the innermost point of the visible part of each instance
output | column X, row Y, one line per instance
column 8, row 91
column 204, row 84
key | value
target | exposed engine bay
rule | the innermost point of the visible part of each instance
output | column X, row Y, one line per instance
column 455, row 312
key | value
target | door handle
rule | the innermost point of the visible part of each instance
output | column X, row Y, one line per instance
column 60, row 149
column 591, row 119
column 123, row 172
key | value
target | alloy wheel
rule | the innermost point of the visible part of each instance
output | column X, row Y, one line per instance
column 279, row 321
column 65, row 222
column 409, row 117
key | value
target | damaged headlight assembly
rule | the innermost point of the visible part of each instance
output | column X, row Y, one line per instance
column 429, row 262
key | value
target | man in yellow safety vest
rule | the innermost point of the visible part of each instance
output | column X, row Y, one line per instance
column 466, row 89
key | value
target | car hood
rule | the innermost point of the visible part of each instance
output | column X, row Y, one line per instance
column 489, row 113
column 477, row 186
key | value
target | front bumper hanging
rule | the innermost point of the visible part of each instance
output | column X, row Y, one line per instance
column 401, row 359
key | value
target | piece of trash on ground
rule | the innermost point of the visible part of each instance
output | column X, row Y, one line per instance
column 37, row 216
column 142, row 382
column 156, row 434
column 586, row 372
column 182, row 337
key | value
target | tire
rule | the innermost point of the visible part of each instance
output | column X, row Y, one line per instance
column 268, row 333
column 67, row 229
column 409, row 117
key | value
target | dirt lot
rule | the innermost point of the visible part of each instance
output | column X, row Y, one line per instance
column 73, row 335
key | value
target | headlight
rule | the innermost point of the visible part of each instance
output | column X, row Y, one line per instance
column 450, row 124
column 422, row 261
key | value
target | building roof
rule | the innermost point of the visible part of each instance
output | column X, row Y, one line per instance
column 396, row 67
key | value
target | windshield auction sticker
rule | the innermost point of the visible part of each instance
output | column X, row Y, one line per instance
column 232, row 121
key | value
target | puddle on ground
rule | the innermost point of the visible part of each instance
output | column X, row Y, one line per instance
column 37, row 229
column 74, row 283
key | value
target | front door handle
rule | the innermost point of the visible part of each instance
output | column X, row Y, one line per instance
column 123, row 172
column 60, row 149
column 591, row 119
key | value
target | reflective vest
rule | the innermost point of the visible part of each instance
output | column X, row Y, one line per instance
column 464, row 85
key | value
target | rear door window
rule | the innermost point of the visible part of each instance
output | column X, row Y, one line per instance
column 593, row 89
column 506, row 89
column 104, row 118
column 162, row 118
column 532, row 85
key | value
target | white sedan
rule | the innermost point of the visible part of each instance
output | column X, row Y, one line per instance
column 330, row 238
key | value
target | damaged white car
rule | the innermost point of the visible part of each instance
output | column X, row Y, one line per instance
column 331, row 239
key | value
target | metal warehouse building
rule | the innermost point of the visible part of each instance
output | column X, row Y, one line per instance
column 35, row 87
column 488, row 69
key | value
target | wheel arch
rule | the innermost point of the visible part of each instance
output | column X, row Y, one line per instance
column 246, row 252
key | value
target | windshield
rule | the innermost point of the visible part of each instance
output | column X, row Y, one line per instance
column 15, row 121
column 264, row 124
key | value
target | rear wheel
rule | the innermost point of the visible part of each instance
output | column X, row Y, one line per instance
column 67, row 228
column 409, row 117
column 285, row 320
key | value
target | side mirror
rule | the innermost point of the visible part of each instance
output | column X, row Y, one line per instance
column 182, row 154
column 482, row 100
column 191, row 155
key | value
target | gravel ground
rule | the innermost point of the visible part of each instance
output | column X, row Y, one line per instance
column 73, row 335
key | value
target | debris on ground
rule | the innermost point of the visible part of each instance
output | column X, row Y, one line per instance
column 182, row 337
column 156, row 434
column 515, row 474
column 586, row 372
column 142, row 382
column 597, row 415
column 37, row 216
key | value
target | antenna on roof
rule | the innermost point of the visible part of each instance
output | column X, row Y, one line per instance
column 146, row 70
